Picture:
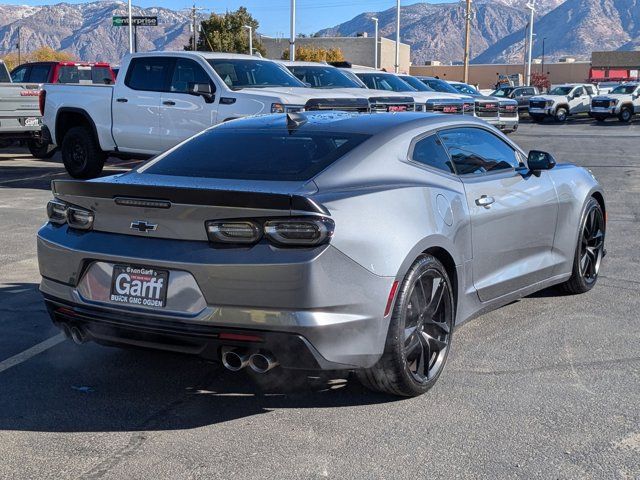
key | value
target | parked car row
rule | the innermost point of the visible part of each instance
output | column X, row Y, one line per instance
column 160, row 99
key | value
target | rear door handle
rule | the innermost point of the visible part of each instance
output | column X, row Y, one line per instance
column 484, row 201
column 169, row 103
column 122, row 100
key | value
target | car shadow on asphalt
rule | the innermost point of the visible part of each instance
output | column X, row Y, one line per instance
column 91, row 388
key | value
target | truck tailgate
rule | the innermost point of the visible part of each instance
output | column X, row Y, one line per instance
column 19, row 100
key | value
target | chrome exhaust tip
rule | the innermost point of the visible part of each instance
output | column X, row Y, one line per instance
column 262, row 362
column 77, row 334
column 234, row 359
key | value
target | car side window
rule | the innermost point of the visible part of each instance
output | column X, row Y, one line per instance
column 19, row 75
column 589, row 89
column 186, row 72
column 578, row 92
column 430, row 151
column 39, row 74
column 148, row 74
column 478, row 151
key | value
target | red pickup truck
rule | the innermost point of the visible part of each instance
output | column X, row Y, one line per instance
column 63, row 72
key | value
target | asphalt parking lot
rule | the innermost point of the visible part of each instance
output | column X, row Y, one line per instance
column 547, row 387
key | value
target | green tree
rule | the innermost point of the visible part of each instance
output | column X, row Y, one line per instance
column 41, row 54
column 315, row 54
column 227, row 33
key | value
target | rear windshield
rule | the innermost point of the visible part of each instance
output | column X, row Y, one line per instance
column 240, row 73
column 256, row 154
column 83, row 74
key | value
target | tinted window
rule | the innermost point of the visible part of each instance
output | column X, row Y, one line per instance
column 239, row 73
column 589, row 89
column 429, row 151
column 148, row 74
column 560, row 91
column 385, row 81
column 415, row 83
column 72, row 74
column 187, row 72
column 624, row 89
column 256, row 154
column 474, row 150
column 323, row 77
column 39, row 73
column 464, row 88
column 101, row 75
column 501, row 92
column 439, row 85
column 578, row 92
column 4, row 74
column 19, row 75
column 530, row 91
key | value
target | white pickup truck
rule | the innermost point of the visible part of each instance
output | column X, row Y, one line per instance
column 562, row 101
column 162, row 98
column 622, row 102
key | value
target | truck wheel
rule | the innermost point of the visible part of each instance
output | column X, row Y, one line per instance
column 561, row 115
column 40, row 149
column 81, row 154
column 625, row 115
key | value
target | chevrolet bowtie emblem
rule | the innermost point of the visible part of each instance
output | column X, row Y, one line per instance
column 143, row 226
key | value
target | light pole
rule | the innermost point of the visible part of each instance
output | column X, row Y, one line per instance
column 130, row 29
column 292, row 33
column 542, row 68
column 250, row 28
column 375, row 45
column 531, row 7
column 467, row 28
column 398, row 36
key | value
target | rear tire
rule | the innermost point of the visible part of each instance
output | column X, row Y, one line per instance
column 81, row 153
column 419, row 336
column 589, row 250
column 626, row 114
column 40, row 149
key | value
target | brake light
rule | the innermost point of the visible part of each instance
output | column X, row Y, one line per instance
column 60, row 213
column 244, row 232
column 41, row 99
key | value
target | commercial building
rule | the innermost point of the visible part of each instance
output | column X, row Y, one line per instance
column 356, row 50
column 617, row 65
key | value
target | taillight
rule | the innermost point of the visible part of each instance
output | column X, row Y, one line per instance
column 284, row 232
column 60, row 213
column 41, row 99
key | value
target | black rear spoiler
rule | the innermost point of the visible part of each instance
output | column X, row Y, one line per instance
column 190, row 196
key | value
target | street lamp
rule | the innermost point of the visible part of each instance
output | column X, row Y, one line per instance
column 542, row 68
column 398, row 36
column 130, row 29
column 375, row 46
column 292, row 32
column 531, row 7
column 250, row 28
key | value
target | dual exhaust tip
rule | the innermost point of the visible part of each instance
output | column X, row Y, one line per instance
column 235, row 360
column 75, row 333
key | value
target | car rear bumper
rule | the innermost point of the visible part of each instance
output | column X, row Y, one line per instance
column 321, row 296
column 15, row 128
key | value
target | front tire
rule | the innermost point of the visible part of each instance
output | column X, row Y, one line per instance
column 419, row 336
column 561, row 115
column 81, row 153
column 589, row 250
column 625, row 115
column 40, row 149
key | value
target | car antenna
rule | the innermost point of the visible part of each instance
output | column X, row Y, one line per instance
column 294, row 121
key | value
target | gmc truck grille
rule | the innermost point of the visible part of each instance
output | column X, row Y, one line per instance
column 600, row 103
column 445, row 108
column 508, row 110
column 537, row 104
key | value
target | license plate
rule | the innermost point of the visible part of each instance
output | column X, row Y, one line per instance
column 31, row 122
column 397, row 108
column 449, row 109
column 139, row 286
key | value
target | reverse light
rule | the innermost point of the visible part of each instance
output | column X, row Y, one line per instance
column 243, row 232
column 299, row 231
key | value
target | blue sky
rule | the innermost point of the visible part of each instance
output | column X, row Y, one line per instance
column 273, row 15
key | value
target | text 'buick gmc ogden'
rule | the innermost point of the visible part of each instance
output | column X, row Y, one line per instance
column 425, row 100
column 622, row 102
column 160, row 99
column 328, row 77
column 19, row 114
column 502, row 113
column 561, row 102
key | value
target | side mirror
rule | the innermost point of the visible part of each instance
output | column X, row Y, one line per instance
column 538, row 160
column 202, row 90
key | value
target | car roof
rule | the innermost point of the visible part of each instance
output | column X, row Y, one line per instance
column 348, row 122
column 296, row 63
column 205, row 55
column 366, row 70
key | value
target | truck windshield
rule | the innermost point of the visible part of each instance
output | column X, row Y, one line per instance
column 256, row 154
column 415, row 83
column 624, row 89
column 385, row 81
column 560, row 91
column 464, row 88
column 502, row 92
column 438, row 85
column 249, row 73
column 323, row 77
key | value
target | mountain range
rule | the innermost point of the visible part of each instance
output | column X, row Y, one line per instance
column 434, row 31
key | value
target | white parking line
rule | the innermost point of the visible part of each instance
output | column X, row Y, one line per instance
column 31, row 352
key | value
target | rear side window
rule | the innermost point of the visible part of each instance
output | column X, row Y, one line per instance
column 149, row 74
column 19, row 75
column 256, row 154
column 71, row 74
column 39, row 73
column 477, row 151
column 589, row 89
column 429, row 151
column 187, row 72
column 101, row 75
column 4, row 75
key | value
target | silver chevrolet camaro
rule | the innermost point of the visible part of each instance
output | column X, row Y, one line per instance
column 319, row 241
